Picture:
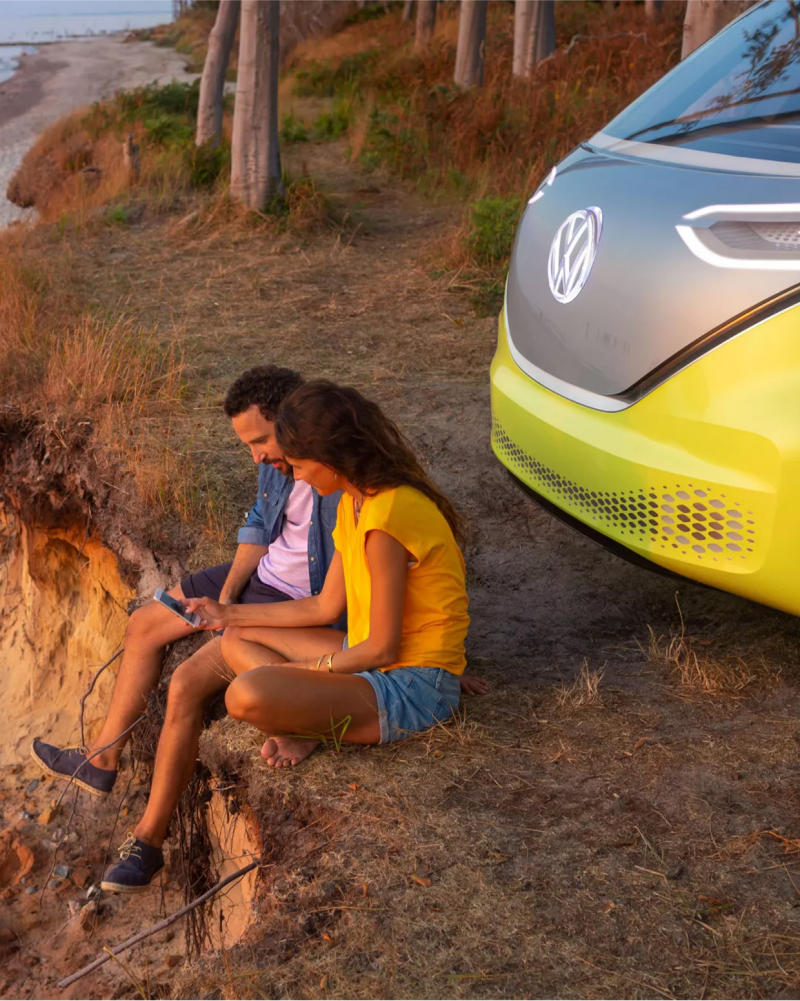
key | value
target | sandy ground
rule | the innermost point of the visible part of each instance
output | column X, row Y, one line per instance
column 66, row 75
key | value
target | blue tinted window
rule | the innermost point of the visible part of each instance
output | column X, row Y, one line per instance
column 738, row 94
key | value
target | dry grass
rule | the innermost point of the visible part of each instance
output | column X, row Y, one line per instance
column 583, row 691
column 700, row 672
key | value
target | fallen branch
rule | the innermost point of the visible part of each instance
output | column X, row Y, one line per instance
column 140, row 936
column 576, row 38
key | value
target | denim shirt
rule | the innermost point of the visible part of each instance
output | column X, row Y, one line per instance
column 265, row 521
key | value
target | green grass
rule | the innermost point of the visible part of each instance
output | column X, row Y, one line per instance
column 335, row 123
column 327, row 80
column 293, row 130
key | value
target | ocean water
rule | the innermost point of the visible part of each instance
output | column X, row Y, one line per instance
column 26, row 22
column 10, row 56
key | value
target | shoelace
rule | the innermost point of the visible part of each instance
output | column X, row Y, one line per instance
column 73, row 747
column 129, row 847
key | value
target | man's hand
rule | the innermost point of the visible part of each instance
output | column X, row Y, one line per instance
column 471, row 684
column 214, row 615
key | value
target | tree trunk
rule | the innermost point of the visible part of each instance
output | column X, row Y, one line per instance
column 255, row 156
column 652, row 9
column 534, row 34
column 426, row 22
column 212, row 84
column 471, row 43
column 408, row 10
column 704, row 18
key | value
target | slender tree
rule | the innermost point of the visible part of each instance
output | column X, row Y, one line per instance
column 534, row 34
column 212, row 83
column 471, row 51
column 652, row 9
column 426, row 22
column 705, row 18
column 255, row 153
column 408, row 10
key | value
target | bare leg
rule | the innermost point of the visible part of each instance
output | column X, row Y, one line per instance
column 248, row 648
column 150, row 629
column 191, row 688
column 304, row 704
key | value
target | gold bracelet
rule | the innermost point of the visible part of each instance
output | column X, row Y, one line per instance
column 330, row 661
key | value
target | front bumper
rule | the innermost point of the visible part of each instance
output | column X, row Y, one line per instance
column 701, row 477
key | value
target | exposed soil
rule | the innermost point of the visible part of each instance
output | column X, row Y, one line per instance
column 640, row 842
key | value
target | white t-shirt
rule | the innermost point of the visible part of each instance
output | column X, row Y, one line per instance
column 285, row 566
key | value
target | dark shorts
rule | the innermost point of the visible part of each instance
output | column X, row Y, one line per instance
column 208, row 584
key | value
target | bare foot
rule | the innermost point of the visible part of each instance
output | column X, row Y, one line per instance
column 280, row 752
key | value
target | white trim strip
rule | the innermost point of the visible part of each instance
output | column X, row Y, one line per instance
column 682, row 157
column 574, row 393
column 786, row 208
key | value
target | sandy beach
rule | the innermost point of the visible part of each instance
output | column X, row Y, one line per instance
column 66, row 75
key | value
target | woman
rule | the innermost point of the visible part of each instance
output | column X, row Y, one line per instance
column 398, row 571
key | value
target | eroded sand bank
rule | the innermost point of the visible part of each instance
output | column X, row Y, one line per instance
column 66, row 75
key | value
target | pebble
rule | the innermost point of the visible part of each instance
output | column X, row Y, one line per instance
column 32, row 786
column 54, row 884
column 46, row 816
column 31, row 889
column 62, row 871
column 25, row 815
column 88, row 916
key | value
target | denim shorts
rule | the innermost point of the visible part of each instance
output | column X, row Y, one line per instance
column 411, row 699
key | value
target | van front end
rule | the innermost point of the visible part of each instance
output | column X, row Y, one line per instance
column 701, row 476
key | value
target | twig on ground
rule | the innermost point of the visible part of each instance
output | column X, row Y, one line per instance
column 56, row 848
column 140, row 936
column 90, row 689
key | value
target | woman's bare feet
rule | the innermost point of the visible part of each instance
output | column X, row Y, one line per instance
column 280, row 752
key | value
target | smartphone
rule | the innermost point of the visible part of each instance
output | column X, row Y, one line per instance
column 177, row 608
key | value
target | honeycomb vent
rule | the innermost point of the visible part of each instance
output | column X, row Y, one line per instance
column 759, row 236
column 691, row 520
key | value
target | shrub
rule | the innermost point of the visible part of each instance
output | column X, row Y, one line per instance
column 492, row 224
column 206, row 163
column 333, row 124
column 293, row 130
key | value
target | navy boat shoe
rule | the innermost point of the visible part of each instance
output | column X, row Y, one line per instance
column 138, row 863
column 67, row 762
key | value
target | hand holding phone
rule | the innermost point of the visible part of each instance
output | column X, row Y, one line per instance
column 190, row 618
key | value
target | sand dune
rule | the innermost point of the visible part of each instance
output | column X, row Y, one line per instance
column 66, row 75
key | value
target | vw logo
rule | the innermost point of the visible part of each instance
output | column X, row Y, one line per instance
column 572, row 253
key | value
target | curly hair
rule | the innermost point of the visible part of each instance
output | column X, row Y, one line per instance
column 265, row 387
column 350, row 434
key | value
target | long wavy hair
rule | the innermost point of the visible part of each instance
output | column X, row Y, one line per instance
column 337, row 426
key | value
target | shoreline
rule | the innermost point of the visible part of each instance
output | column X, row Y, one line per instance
column 71, row 74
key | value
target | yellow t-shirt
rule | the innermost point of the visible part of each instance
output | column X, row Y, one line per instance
column 435, row 619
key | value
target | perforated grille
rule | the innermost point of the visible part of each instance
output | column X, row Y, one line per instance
column 759, row 236
column 688, row 520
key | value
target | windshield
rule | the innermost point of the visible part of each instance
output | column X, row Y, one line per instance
column 739, row 94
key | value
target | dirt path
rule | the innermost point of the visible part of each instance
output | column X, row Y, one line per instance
column 619, row 844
